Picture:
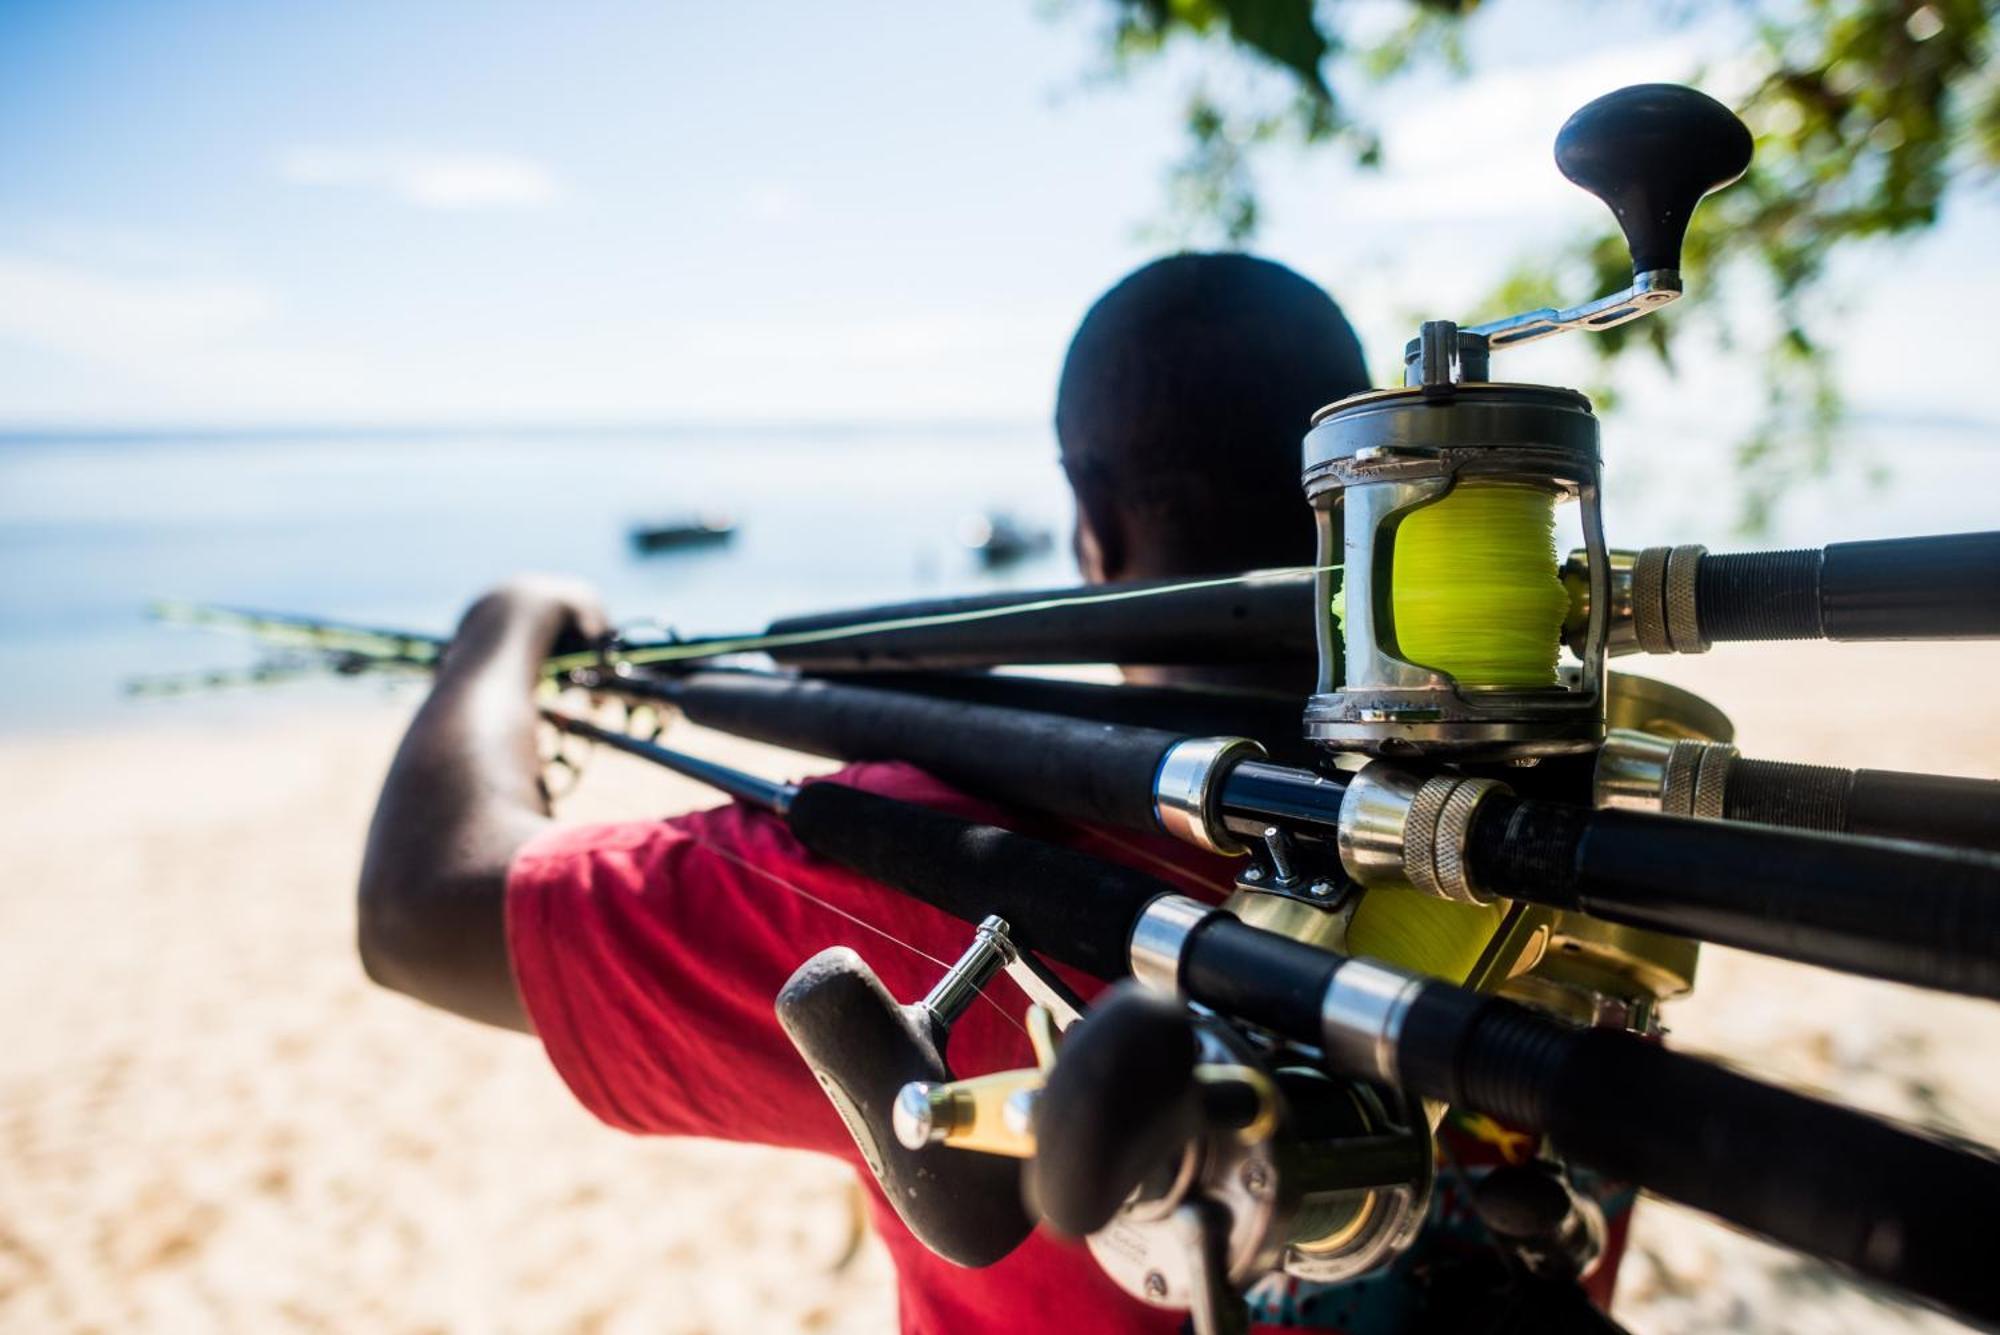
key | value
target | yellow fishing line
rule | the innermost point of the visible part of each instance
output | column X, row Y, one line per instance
column 1475, row 590
column 1431, row 936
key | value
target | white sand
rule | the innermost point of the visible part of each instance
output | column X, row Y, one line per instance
column 211, row 1121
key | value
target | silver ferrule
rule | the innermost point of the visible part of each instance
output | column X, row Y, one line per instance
column 1361, row 1017
column 1402, row 829
column 1631, row 770
column 1188, row 788
column 1637, row 771
column 1664, row 617
column 1160, row 937
column 990, row 952
column 1374, row 814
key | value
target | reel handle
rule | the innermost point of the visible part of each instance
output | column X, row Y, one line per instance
column 1120, row 1103
column 863, row 1048
column 1650, row 152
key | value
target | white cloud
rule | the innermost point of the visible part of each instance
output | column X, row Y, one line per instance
column 427, row 179
column 193, row 343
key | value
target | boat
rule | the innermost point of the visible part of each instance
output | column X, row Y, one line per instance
column 682, row 533
column 1000, row 539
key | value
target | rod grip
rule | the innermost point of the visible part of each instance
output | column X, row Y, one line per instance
column 1270, row 718
column 1260, row 619
column 1888, row 804
column 1908, row 912
column 1091, row 771
column 1913, row 588
column 1932, row 588
column 1863, row 1193
column 1072, row 908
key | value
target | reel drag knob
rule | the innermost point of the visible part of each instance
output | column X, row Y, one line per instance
column 1650, row 152
column 1120, row 1106
column 863, row 1048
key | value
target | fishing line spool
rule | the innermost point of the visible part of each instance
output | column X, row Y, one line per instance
column 1441, row 629
column 1439, row 601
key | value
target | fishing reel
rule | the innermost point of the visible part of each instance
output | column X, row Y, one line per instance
column 1196, row 1158
column 1441, row 609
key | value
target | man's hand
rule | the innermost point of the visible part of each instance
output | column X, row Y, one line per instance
column 461, row 798
column 524, row 622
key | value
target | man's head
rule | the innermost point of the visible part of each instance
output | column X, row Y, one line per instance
column 1182, row 402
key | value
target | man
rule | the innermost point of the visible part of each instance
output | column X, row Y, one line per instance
column 647, row 956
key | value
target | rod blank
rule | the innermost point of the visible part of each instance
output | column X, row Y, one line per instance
column 1934, row 588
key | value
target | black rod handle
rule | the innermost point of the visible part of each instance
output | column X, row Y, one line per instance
column 1932, row 588
column 1908, row 912
column 1088, row 770
column 1261, row 618
column 1888, row 804
column 1880, row 1200
column 1270, row 718
column 1074, row 909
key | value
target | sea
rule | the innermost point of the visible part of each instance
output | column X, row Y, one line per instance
column 404, row 528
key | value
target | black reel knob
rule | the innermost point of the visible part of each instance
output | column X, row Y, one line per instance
column 1118, row 1109
column 863, row 1048
column 1651, row 152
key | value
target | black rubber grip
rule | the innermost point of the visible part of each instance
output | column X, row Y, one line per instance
column 1900, row 911
column 1759, row 596
column 1267, row 717
column 1912, row 588
column 1888, row 804
column 1934, row 588
column 1941, row 808
column 1269, row 980
column 863, row 1048
column 1777, row 792
column 1912, row 913
column 1268, row 618
column 1120, row 1105
column 1070, row 907
column 1088, row 771
column 1884, row 1201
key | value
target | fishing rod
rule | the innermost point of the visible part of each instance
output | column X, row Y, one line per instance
column 1915, row 913
column 1935, row 588
column 1662, row 600
column 1151, row 1078
column 1633, row 769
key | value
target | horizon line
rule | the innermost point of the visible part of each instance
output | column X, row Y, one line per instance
column 112, row 432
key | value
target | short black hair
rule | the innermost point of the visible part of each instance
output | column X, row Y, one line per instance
column 1182, row 403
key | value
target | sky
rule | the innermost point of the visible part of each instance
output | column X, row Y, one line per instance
column 239, row 215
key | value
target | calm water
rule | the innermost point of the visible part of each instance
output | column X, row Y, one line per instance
column 404, row 530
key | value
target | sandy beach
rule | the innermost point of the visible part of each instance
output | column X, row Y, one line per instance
column 209, row 1120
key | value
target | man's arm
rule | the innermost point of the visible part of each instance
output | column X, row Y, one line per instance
column 463, row 795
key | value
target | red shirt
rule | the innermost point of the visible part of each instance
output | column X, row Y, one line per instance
column 648, row 956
